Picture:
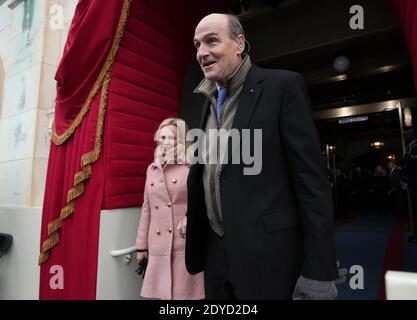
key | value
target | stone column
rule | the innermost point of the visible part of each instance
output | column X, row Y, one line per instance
column 32, row 37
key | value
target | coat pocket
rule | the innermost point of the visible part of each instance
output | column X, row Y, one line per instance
column 279, row 221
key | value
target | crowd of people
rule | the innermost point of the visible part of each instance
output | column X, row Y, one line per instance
column 381, row 190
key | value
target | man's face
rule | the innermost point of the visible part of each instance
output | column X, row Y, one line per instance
column 217, row 53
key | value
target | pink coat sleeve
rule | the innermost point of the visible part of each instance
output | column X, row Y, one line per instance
column 143, row 228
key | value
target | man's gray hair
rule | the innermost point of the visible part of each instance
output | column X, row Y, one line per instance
column 235, row 27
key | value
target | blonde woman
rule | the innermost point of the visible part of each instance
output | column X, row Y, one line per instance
column 161, row 230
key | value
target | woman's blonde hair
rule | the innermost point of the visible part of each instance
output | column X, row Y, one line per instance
column 181, row 152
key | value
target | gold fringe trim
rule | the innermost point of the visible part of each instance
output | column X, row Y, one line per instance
column 43, row 257
column 83, row 175
column 54, row 226
column 88, row 158
column 51, row 242
column 75, row 192
column 57, row 223
column 92, row 156
column 67, row 211
column 60, row 139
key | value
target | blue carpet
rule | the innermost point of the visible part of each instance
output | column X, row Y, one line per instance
column 363, row 242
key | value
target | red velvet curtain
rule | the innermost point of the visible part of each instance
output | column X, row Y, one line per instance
column 77, row 251
column 89, row 40
column 406, row 10
column 75, row 177
column 120, row 75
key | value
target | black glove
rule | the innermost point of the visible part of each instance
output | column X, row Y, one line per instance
column 143, row 263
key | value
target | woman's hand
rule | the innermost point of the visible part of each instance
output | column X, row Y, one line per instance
column 142, row 255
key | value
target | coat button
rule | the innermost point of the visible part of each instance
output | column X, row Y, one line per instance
column 169, row 204
column 158, row 232
column 152, row 184
column 156, row 206
column 174, row 180
column 170, row 230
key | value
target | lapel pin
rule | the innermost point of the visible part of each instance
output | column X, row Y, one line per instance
column 251, row 91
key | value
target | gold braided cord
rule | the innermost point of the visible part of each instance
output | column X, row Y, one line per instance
column 60, row 139
column 88, row 158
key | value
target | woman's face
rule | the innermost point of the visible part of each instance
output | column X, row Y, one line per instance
column 168, row 137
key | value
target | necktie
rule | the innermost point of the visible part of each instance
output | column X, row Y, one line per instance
column 220, row 99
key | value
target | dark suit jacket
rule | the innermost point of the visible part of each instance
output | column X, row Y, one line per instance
column 279, row 223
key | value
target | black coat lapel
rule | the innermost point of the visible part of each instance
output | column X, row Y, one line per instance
column 249, row 96
column 248, row 99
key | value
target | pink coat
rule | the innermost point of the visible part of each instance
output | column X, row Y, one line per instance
column 164, row 207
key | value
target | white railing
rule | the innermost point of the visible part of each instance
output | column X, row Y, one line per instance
column 126, row 253
column 122, row 252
